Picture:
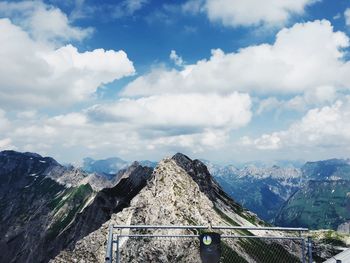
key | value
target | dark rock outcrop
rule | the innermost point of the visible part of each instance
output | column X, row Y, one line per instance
column 39, row 216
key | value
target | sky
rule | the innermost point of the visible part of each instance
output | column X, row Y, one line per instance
column 224, row 80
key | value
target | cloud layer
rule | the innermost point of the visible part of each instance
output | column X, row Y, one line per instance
column 326, row 127
column 207, row 106
column 248, row 12
column 294, row 64
column 43, row 22
column 158, row 124
column 35, row 74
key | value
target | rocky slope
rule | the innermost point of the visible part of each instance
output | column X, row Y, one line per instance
column 182, row 192
column 45, row 207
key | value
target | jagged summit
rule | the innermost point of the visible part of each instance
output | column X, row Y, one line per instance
column 180, row 191
column 206, row 182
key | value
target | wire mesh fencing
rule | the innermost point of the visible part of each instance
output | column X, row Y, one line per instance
column 154, row 245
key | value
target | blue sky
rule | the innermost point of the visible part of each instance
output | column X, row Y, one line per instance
column 225, row 80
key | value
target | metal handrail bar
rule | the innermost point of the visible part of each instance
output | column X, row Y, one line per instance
column 261, row 228
column 222, row 236
column 145, row 235
column 212, row 227
column 158, row 227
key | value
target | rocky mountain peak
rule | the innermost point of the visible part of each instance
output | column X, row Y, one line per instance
column 207, row 184
column 181, row 192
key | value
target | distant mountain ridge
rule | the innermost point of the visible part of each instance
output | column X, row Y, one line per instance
column 262, row 190
column 332, row 169
column 48, row 209
column 285, row 195
column 111, row 166
column 323, row 201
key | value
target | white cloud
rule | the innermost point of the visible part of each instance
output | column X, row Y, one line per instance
column 179, row 111
column 248, row 12
column 33, row 74
column 134, row 5
column 327, row 127
column 305, row 57
column 347, row 16
column 337, row 16
column 265, row 142
column 5, row 144
column 193, row 6
column 176, row 58
column 197, row 142
column 4, row 122
column 43, row 22
column 322, row 95
column 157, row 124
column 128, row 7
column 268, row 104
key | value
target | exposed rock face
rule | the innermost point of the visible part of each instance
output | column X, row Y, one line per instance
column 180, row 192
column 39, row 216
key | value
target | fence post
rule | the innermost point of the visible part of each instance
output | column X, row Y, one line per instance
column 309, row 241
column 302, row 247
column 117, row 250
column 109, row 253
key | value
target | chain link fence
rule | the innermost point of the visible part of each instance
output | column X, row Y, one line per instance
column 183, row 245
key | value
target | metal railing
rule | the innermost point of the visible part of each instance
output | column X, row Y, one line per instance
column 287, row 245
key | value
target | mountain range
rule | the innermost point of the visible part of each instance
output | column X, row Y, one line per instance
column 314, row 196
column 51, row 212
column 45, row 216
column 276, row 193
column 180, row 191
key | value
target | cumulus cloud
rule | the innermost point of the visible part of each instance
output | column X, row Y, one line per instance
column 179, row 111
column 321, row 95
column 157, row 124
column 43, row 22
column 248, row 12
column 347, row 16
column 34, row 74
column 176, row 58
column 327, row 127
column 265, row 142
column 303, row 58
